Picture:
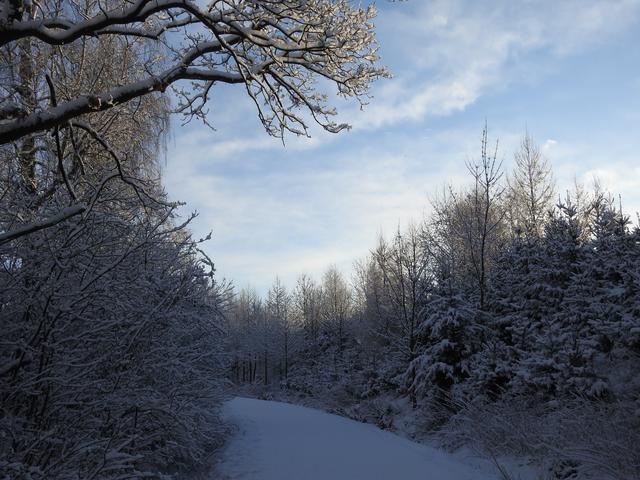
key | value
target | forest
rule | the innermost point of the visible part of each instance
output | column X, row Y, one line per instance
column 507, row 319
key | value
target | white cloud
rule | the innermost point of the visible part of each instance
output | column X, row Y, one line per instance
column 293, row 216
column 449, row 53
column 614, row 177
column 282, row 211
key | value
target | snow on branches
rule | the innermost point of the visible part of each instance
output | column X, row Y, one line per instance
column 276, row 49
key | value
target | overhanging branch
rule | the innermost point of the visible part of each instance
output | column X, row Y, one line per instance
column 63, row 215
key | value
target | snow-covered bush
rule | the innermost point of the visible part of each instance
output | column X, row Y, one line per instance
column 598, row 439
column 111, row 358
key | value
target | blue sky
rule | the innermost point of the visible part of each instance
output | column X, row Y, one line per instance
column 568, row 72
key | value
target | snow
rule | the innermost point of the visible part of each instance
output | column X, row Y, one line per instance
column 279, row 441
column 64, row 214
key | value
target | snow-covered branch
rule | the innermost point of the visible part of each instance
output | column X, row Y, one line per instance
column 276, row 49
column 32, row 227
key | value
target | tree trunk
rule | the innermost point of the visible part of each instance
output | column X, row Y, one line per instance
column 266, row 380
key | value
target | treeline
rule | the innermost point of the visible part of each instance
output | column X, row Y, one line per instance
column 507, row 294
column 111, row 322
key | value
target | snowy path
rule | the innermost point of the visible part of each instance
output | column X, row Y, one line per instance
column 278, row 441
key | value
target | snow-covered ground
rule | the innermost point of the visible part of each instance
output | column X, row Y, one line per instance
column 279, row 441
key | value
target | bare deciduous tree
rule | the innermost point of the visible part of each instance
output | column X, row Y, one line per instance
column 275, row 49
column 530, row 190
column 405, row 271
column 336, row 304
column 468, row 227
column 70, row 70
column 307, row 299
